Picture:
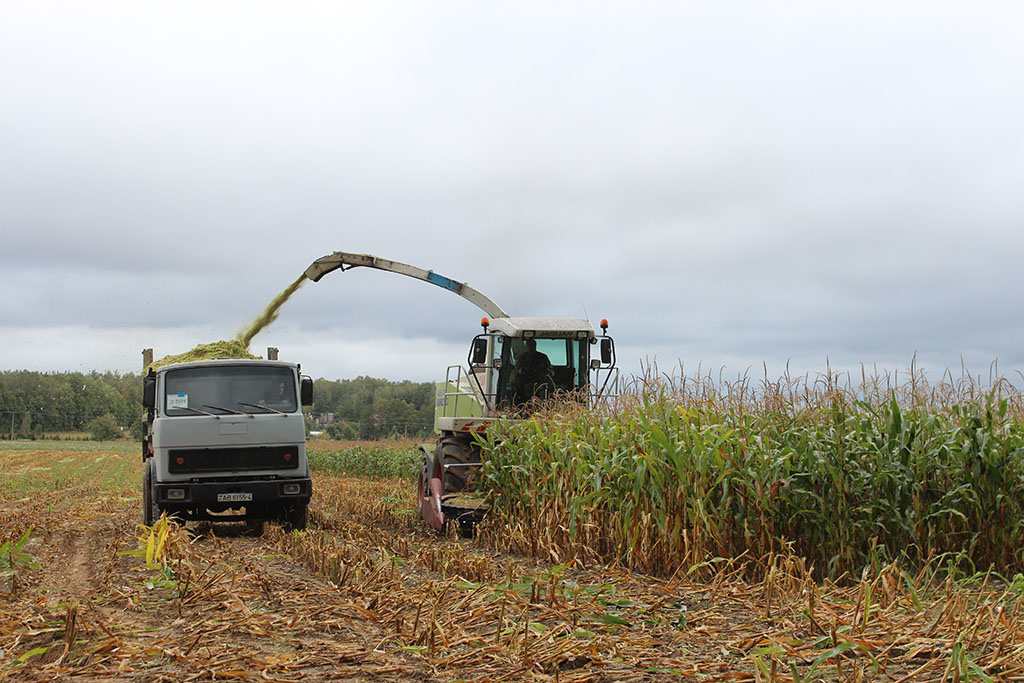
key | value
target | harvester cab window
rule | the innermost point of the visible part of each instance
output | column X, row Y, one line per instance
column 539, row 368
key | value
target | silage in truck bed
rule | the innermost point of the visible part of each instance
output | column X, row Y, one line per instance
column 212, row 351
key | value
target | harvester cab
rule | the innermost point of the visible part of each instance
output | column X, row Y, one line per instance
column 515, row 365
column 518, row 363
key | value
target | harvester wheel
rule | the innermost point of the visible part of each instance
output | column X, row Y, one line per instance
column 454, row 452
column 423, row 485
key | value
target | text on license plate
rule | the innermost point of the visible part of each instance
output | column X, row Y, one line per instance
column 233, row 497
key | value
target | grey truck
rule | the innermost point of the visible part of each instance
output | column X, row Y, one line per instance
column 225, row 440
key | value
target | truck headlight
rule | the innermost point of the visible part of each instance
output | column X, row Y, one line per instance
column 292, row 489
column 175, row 494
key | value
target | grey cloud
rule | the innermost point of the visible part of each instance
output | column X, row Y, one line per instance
column 720, row 182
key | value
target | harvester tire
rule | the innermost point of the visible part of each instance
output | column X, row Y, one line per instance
column 452, row 450
column 423, row 494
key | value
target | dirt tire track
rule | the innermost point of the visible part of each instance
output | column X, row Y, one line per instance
column 77, row 552
column 249, row 611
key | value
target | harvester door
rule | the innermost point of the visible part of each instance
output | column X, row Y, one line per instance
column 482, row 371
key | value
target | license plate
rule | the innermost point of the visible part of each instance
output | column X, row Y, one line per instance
column 233, row 497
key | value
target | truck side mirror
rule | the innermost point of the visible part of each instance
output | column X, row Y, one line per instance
column 149, row 392
column 307, row 391
column 479, row 354
column 607, row 352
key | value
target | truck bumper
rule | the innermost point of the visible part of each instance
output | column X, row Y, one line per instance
column 261, row 499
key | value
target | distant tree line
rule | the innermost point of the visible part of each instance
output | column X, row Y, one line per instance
column 107, row 404
column 34, row 403
column 370, row 408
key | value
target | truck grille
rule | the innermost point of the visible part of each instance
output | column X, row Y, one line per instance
column 219, row 459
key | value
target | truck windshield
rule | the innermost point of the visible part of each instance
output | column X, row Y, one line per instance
column 239, row 388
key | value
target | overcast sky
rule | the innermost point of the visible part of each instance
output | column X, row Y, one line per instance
column 730, row 184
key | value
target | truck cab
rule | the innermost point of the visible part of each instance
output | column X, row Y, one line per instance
column 225, row 440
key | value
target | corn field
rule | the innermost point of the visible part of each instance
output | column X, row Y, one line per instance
column 684, row 471
column 368, row 593
column 388, row 459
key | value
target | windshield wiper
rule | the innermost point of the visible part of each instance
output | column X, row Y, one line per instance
column 268, row 408
column 195, row 410
column 226, row 410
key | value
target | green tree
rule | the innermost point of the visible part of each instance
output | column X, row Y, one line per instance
column 67, row 401
column 370, row 408
column 103, row 428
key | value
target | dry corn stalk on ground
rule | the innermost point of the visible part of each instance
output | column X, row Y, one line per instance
column 367, row 593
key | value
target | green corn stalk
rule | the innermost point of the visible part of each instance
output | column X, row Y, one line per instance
column 13, row 555
column 847, row 479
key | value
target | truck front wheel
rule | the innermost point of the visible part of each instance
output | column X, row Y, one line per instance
column 150, row 512
column 295, row 517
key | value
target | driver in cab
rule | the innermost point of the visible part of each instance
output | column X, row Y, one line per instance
column 533, row 371
column 277, row 396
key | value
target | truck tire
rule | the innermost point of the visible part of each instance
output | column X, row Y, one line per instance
column 457, row 451
column 295, row 517
column 150, row 513
column 254, row 526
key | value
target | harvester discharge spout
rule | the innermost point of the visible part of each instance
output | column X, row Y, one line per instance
column 343, row 261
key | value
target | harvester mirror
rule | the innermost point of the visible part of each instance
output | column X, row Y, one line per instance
column 606, row 351
column 479, row 355
column 307, row 391
column 149, row 392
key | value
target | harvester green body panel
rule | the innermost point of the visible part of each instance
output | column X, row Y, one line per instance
column 457, row 400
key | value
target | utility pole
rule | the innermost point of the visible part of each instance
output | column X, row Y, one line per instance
column 12, row 425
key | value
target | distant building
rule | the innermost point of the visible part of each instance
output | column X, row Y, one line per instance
column 323, row 419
